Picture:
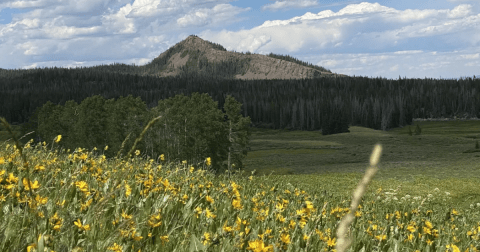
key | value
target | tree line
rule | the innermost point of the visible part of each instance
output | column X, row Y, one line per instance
column 190, row 128
column 327, row 103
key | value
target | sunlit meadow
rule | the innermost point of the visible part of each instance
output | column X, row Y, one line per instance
column 77, row 200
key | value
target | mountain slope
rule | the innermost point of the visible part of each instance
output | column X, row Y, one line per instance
column 196, row 54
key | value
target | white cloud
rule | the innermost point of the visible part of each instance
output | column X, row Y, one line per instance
column 408, row 52
column 85, row 32
column 470, row 56
column 220, row 14
column 24, row 4
column 392, row 64
column 391, row 42
column 290, row 4
column 364, row 26
column 460, row 11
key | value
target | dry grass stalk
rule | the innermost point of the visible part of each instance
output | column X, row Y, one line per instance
column 343, row 242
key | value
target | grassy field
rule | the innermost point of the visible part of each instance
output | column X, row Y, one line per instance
column 424, row 197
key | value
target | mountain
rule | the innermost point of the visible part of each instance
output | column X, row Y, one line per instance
column 198, row 55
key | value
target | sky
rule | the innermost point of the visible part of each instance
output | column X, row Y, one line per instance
column 387, row 38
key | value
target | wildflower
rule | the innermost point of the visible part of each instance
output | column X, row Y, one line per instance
column 39, row 168
column 27, row 183
column 78, row 223
column 210, row 199
column 209, row 214
column 453, row 247
column 56, row 222
column 164, row 239
column 128, row 190
column 279, row 207
column 162, row 157
column 205, row 238
column 409, row 238
column 58, row 138
column 358, row 214
column 137, row 152
column 236, row 203
column 227, row 229
column 411, row 228
column 86, row 204
column 305, row 237
column 126, row 216
column 155, row 220
column 381, row 237
column 115, row 247
column 331, row 242
column 285, row 238
column 136, row 238
column 198, row 211
column 292, row 224
column 82, row 185
column 259, row 246
column 208, row 161
column 106, row 147
column 31, row 247
column 12, row 179
column 427, row 230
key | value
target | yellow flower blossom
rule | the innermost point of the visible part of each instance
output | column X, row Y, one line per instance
column 27, row 183
column 331, row 242
column 453, row 248
column 78, row 223
column 259, row 246
column 115, row 248
column 128, row 190
column 206, row 238
column 285, row 238
column 209, row 199
column 209, row 214
column 164, row 239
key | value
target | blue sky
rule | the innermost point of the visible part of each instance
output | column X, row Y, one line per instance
column 390, row 38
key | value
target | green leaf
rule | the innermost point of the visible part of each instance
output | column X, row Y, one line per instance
column 41, row 244
column 195, row 244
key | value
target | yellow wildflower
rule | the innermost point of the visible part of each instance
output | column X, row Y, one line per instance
column 164, row 239
column 115, row 247
column 453, row 248
column 285, row 238
column 205, row 238
column 209, row 199
column 26, row 184
column 259, row 246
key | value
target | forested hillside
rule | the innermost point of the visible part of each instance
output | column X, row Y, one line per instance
column 305, row 104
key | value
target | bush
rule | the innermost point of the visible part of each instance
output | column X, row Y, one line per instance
column 418, row 130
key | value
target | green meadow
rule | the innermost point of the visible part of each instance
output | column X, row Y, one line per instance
column 443, row 156
column 294, row 191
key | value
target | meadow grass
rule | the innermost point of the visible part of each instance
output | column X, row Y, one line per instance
column 60, row 201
